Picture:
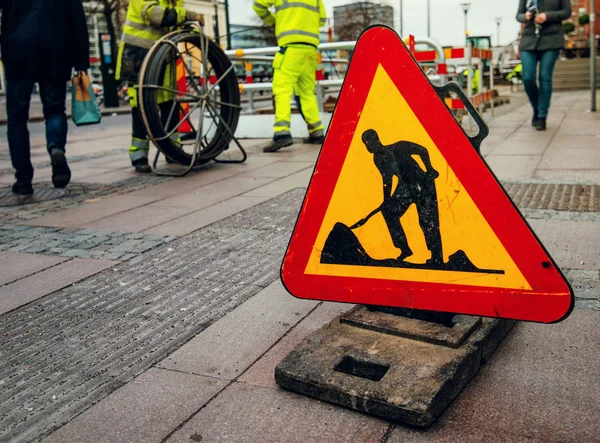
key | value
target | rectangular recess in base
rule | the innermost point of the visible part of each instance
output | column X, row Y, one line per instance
column 398, row 378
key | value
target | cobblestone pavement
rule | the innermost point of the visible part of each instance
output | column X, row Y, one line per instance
column 80, row 243
column 65, row 352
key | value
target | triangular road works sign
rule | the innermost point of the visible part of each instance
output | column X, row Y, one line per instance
column 402, row 211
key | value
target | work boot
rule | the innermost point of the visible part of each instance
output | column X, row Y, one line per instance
column 22, row 187
column 314, row 140
column 278, row 143
column 540, row 125
column 142, row 166
column 61, row 174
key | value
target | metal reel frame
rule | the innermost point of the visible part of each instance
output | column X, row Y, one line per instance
column 201, row 96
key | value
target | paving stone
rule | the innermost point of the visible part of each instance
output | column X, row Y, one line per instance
column 16, row 265
column 585, row 283
column 79, row 242
column 204, row 217
column 245, row 413
column 262, row 372
column 513, row 168
column 216, row 193
column 81, row 253
column 540, row 386
column 140, row 219
column 127, row 257
column 246, row 333
column 573, row 244
column 113, row 255
column 280, row 169
column 146, row 409
column 21, row 246
column 33, row 249
column 297, row 180
column 90, row 212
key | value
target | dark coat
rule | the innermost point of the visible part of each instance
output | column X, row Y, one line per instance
column 551, row 34
column 42, row 40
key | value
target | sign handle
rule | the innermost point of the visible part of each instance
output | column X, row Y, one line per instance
column 444, row 91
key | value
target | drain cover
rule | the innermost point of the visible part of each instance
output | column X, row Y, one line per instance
column 555, row 196
column 7, row 198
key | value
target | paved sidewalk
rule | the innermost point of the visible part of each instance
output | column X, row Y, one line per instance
column 147, row 309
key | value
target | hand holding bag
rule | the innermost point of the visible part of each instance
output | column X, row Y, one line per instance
column 85, row 110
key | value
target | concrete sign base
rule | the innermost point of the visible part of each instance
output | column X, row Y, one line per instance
column 394, row 367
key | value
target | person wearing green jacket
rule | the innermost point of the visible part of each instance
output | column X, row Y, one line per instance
column 297, row 29
column 541, row 43
column 145, row 23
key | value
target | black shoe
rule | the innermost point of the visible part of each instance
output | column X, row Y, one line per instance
column 534, row 119
column 61, row 174
column 278, row 143
column 540, row 125
column 314, row 140
column 142, row 168
column 22, row 187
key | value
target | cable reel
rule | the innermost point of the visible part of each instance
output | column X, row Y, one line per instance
column 189, row 99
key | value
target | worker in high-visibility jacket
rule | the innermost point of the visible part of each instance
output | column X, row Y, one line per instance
column 475, row 80
column 145, row 23
column 297, row 29
column 516, row 73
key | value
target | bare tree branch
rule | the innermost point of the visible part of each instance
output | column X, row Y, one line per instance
column 352, row 19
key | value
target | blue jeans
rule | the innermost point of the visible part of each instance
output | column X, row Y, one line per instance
column 539, row 96
column 18, row 98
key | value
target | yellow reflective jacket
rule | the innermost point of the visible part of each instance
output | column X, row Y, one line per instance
column 149, row 20
column 296, row 21
column 146, row 22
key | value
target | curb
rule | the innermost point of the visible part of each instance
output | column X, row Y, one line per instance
column 105, row 112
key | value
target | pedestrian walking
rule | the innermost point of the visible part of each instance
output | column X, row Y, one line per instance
column 42, row 41
column 542, row 40
column 145, row 23
column 297, row 29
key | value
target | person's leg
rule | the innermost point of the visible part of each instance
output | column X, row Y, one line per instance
column 307, row 98
column 54, row 96
column 18, row 97
column 529, row 60
column 285, row 75
column 547, row 62
column 140, row 146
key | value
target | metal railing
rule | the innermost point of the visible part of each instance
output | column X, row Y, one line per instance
column 322, row 86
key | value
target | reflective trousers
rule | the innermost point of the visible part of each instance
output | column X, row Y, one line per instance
column 294, row 69
column 140, row 145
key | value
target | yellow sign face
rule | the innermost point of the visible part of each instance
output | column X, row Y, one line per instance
column 360, row 191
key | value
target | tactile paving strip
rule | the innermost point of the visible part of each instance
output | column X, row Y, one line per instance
column 67, row 351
